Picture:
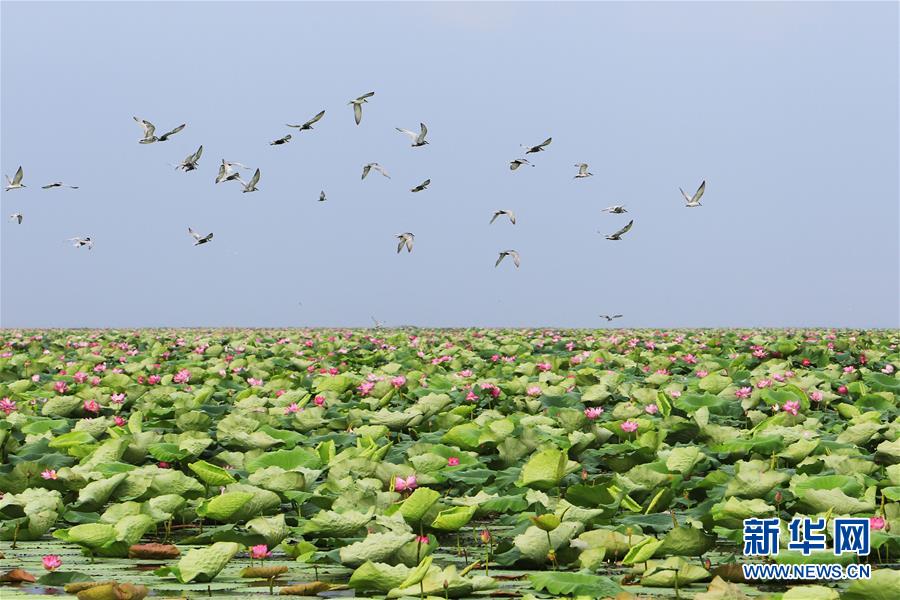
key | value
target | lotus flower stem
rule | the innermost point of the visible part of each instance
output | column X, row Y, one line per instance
column 15, row 536
column 271, row 581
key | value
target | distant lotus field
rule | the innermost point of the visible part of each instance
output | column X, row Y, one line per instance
column 420, row 463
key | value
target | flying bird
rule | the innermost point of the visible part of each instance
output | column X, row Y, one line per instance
column 538, row 148
column 695, row 199
column 357, row 106
column 618, row 235
column 251, row 185
column 418, row 139
column 618, row 209
column 16, row 182
column 191, row 160
column 281, row 141
column 150, row 129
column 58, row 184
column 227, row 172
column 515, row 164
column 308, row 124
column 582, row 171
column 406, row 239
column 16, row 217
column 78, row 242
column 378, row 324
column 504, row 254
column 322, row 196
column 501, row 212
column 421, row 186
column 199, row 239
column 610, row 317
column 375, row 166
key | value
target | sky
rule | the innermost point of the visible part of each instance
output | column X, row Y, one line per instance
column 789, row 112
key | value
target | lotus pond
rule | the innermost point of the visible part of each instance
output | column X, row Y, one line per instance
column 439, row 463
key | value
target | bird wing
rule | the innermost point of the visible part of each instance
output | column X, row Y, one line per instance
column 17, row 178
column 512, row 216
column 222, row 173
column 196, row 155
column 364, row 96
column 513, row 165
column 147, row 126
column 616, row 316
column 411, row 134
column 50, row 185
column 380, row 169
column 515, row 256
column 322, row 196
column 255, row 179
column 315, row 118
column 194, row 234
column 686, row 197
column 497, row 213
column 582, row 168
column 500, row 259
column 366, row 170
column 425, row 184
column 699, row 192
column 421, row 137
column 357, row 112
column 624, row 230
column 545, row 142
column 173, row 132
column 402, row 242
column 208, row 237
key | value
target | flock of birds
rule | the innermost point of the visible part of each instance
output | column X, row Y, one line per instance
column 228, row 171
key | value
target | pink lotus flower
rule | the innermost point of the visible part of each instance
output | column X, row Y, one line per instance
column 51, row 562
column 816, row 395
column 789, row 374
column 877, row 523
column 80, row 377
column 422, row 539
column 453, row 461
column 701, row 373
column 675, row 394
column 91, row 406
column 48, row 474
column 117, row 398
column 471, row 397
column 100, row 368
column 401, row 484
column 842, row 390
column 849, row 369
column 35, row 378
column 154, row 379
column 651, row 409
column 763, row 383
column 291, row 408
column 319, row 400
column 887, row 369
column 259, row 551
column 280, row 393
column 61, row 387
column 7, row 406
column 689, row 359
column 254, row 382
column 182, row 376
column 365, row 387
column 163, row 464
column 120, row 421
column 592, row 412
column 760, row 353
column 465, row 373
column 661, row 371
column 94, row 381
column 805, row 362
column 533, row 390
column 744, row 392
column 398, row 381
column 778, row 377
column 629, row 426
column 791, row 406
column 544, row 366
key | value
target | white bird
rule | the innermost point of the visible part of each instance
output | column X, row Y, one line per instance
column 16, row 217
column 617, row 209
column 227, row 172
column 78, row 242
column 582, row 171
column 308, row 124
column 150, row 129
column 357, row 106
column 199, row 239
column 610, row 317
column 515, row 164
column 504, row 254
column 538, row 148
column 377, row 167
column 618, row 235
column 421, row 186
column 406, row 239
column 501, row 212
column 378, row 324
column 281, row 141
column 191, row 160
column 322, row 196
column 251, row 185
column 695, row 199
column 16, row 182
column 418, row 139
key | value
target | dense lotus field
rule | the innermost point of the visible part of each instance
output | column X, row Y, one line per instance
column 439, row 463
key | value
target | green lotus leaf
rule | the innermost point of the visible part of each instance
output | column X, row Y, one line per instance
column 261, row 502
column 534, row 546
column 377, row 577
column 224, row 506
column 465, row 436
column 671, row 572
column 811, row 592
column 96, row 493
column 277, row 479
column 642, row 551
column 211, row 474
column 418, row 504
column 203, row 564
column 732, row 512
column 417, row 574
column 71, row 439
column 834, row 500
column 883, row 585
column 376, row 547
column 286, row 459
column 91, row 535
column 544, row 470
column 686, row 541
column 131, row 528
column 433, row 584
column 575, row 584
column 273, row 529
column 328, row 523
column 453, row 519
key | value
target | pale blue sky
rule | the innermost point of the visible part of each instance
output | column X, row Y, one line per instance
column 788, row 110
